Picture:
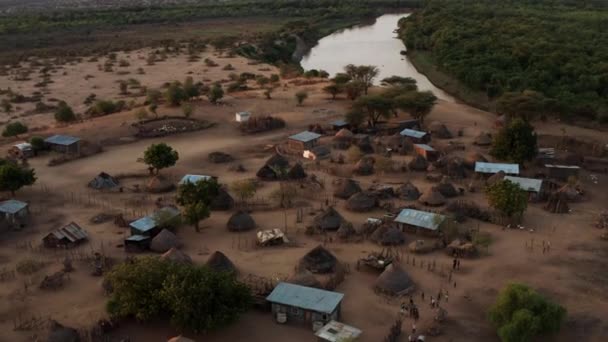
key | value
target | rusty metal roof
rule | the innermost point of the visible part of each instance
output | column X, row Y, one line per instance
column 72, row 232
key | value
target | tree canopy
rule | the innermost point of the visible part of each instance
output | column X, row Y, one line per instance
column 13, row 177
column 204, row 191
column 520, row 314
column 516, row 142
column 64, row 113
column 14, row 129
column 160, row 156
column 557, row 49
column 216, row 93
column 508, row 198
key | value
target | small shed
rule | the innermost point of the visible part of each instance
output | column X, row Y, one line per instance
column 63, row 144
column 148, row 226
column 418, row 221
column 411, row 124
column 304, row 304
column 14, row 213
column 317, row 153
column 339, row 124
column 426, row 151
column 415, row 136
column 271, row 237
column 492, row 168
column 137, row 243
column 22, row 150
column 335, row 331
column 66, row 236
column 304, row 140
column 194, row 179
column 242, row 116
column 532, row 186
column 562, row 172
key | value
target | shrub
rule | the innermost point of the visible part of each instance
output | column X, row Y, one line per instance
column 14, row 129
column 64, row 113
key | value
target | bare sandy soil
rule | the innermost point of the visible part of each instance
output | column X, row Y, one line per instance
column 573, row 272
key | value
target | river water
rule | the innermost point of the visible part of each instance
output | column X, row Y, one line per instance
column 374, row 44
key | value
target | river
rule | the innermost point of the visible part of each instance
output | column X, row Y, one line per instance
column 374, row 44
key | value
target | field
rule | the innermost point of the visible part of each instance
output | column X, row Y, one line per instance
column 572, row 272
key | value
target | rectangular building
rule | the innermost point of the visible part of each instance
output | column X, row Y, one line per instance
column 65, row 237
column 417, row 221
column 14, row 214
column 193, row 179
column 63, row 144
column 492, row 168
column 426, row 151
column 242, row 116
column 532, row 186
column 562, row 172
column 335, row 331
column 415, row 136
column 304, row 140
column 147, row 225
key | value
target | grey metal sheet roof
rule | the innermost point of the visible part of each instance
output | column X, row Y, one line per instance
column 496, row 167
column 412, row 133
column 425, row 147
column 335, row 332
column 137, row 238
column 147, row 223
column 553, row 166
column 12, row 206
column 422, row 219
column 71, row 231
column 193, row 178
column 528, row 184
column 339, row 123
column 304, row 297
column 64, row 140
column 24, row 146
column 305, row 136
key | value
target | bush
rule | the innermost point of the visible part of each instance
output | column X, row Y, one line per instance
column 515, row 143
column 37, row 144
column 301, row 96
column 105, row 107
column 64, row 113
column 14, row 129
column 508, row 198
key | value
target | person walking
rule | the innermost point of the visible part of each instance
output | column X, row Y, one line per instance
column 422, row 295
column 457, row 264
column 432, row 302
column 454, row 264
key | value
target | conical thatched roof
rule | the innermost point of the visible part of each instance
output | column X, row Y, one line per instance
column 61, row 333
column 305, row 278
column 240, row 221
column 177, row 256
column 346, row 231
column 361, row 202
column 394, row 280
column 318, row 260
column 419, row 163
column 219, row 262
column 329, row 219
column 439, row 130
column 474, row 157
column 365, row 147
column 159, row 183
column 446, row 188
column 557, row 203
column 392, row 236
column 344, row 133
column 266, row 173
column 497, row 177
column 455, row 168
column 180, row 338
column 483, row 139
column 277, row 161
column 346, row 187
column 103, row 181
column 223, row 201
column 571, row 193
column 432, row 198
column 365, row 166
column 296, row 172
column 164, row 241
column 408, row 191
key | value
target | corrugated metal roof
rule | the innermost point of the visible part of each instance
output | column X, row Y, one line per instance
column 24, row 146
column 425, row 147
column 64, row 140
column 422, row 219
column 339, row 123
column 553, row 166
column 412, row 133
column 243, row 114
column 528, row 184
column 12, row 206
column 496, row 167
column 193, row 178
column 305, row 136
column 147, row 223
column 335, row 331
column 304, row 297
column 72, row 232
column 137, row 238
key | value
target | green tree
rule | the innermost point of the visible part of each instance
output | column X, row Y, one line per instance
column 160, row 156
column 245, row 189
column 175, row 94
column 374, row 107
column 333, row 90
column 191, row 90
column 418, row 104
column 274, row 78
column 141, row 114
column 526, row 105
column 195, row 212
column 301, row 96
column 398, row 81
column 187, row 109
column 14, row 177
column 153, row 96
column 353, row 89
column 262, row 81
column 355, row 117
column 13, row 129
column 341, row 78
column 6, row 105
column 516, row 142
column 216, row 93
column 521, row 314
column 64, row 113
column 508, row 198
column 37, row 143
column 268, row 93
column 124, row 87
column 365, row 74
column 204, row 191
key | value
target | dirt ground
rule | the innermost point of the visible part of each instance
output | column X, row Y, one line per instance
column 573, row 272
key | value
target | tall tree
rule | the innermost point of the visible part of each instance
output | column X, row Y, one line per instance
column 14, row 177
column 204, row 191
column 418, row 104
column 374, row 107
column 13, row 129
column 195, row 212
column 333, row 90
column 516, row 142
column 216, row 93
column 508, row 198
column 160, row 156
column 363, row 73
column 526, row 105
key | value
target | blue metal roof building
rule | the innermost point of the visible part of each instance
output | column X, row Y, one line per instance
column 12, row 206
column 339, row 123
column 425, row 147
column 492, row 168
column 63, row 140
column 193, row 178
column 422, row 219
column 307, row 298
column 305, row 136
column 413, row 133
column 147, row 224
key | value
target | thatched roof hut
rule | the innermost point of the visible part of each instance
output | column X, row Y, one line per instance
column 328, row 219
column 346, row 187
column 240, row 221
column 419, row 163
column 408, row 191
column 495, row 178
column 219, row 262
column 267, row 173
column 318, row 260
column 446, row 188
column 394, row 280
column 61, row 333
column 223, row 201
column 296, row 172
column 305, row 278
column 439, row 130
column 365, row 166
column 571, row 193
column 472, row 158
column 455, row 167
column 392, row 236
column 361, row 202
column 164, row 241
column 219, row 157
column 277, row 161
column 346, row 231
column 432, row 198
column 158, row 184
column 557, row 203
column 483, row 139
column 177, row 256
column 344, row 133
column 103, row 181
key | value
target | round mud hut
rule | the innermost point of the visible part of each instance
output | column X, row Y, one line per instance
column 223, row 201
column 394, row 281
column 365, row 166
column 408, row 191
column 446, row 188
column 177, row 256
column 418, row 164
column 305, row 278
column 318, row 260
column 219, row 262
column 439, row 130
column 557, row 203
column 472, row 158
column 432, row 198
column 240, row 221
column 361, row 202
column 296, row 172
column 328, row 219
column 164, row 241
column 345, row 188
column 483, row 139
column 103, row 181
column 346, row 231
column 495, row 178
